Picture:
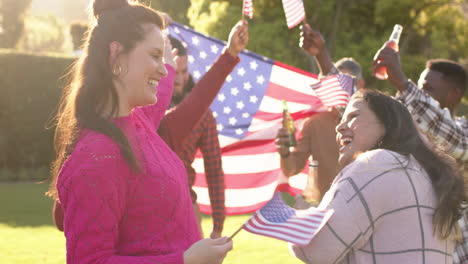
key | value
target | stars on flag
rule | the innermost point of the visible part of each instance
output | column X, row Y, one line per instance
column 234, row 91
column 247, row 86
column 241, row 71
column 260, row 79
column 240, row 105
column 203, row 55
column 195, row 41
column 221, row 97
column 253, row 65
column 253, row 99
column 227, row 110
column 190, row 59
column 232, row 121
column 214, row 49
column 196, row 75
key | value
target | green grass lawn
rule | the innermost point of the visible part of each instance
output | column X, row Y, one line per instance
column 28, row 236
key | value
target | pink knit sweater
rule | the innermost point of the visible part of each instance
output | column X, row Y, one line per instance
column 114, row 215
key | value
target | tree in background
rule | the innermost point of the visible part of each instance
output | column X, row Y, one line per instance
column 12, row 21
column 44, row 33
column 353, row 28
column 177, row 10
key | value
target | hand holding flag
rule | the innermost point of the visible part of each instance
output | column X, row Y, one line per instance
column 238, row 38
column 277, row 220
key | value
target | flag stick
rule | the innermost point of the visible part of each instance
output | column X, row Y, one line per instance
column 304, row 21
column 235, row 233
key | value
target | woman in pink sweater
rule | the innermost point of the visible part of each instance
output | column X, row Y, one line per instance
column 123, row 191
column 395, row 200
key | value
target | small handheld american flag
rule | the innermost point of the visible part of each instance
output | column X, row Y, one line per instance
column 277, row 220
column 247, row 8
column 294, row 11
column 334, row 90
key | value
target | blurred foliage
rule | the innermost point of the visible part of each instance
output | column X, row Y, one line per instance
column 12, row 21
column 45, row 33
column 176, row 9
column 30, row 88
column 353, row 28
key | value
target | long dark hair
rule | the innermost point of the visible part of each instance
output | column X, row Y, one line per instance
column 91, row 89
column 402, row 136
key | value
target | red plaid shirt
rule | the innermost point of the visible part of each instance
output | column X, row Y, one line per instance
column 205, row 137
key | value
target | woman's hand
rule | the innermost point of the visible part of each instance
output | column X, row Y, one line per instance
column 208, row 251
column 238, row 38
column 170, row 54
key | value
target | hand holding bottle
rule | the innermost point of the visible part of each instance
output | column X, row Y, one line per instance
column 380, row 71
column 390, row 59
column 282, row 142
column 288, row 123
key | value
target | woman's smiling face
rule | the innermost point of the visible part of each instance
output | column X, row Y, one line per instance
column 359, row 131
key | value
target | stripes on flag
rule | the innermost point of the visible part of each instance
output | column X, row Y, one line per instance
column 247, row 8
column 277, row 220
column 294, row 11
column 334, row 90
column 248, row 113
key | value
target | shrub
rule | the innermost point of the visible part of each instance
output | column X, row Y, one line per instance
column 30, row 88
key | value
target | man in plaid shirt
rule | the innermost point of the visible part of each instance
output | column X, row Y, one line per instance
column 433, row 103
column 204, row 137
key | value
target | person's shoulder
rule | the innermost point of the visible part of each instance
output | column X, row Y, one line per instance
column 95, row 145
column 92, row 152
column 379, row 155
column 375, row 161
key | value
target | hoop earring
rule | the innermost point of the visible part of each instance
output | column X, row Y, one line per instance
column 117, row 70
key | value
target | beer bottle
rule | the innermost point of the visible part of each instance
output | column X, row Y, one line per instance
column 289, row 125
column 310, row 189
column 381, row 71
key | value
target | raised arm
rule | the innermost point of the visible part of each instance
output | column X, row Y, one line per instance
column 178, row 124
column 313, row 43
column 431, row 119
column 447, row 133
column 391, row 59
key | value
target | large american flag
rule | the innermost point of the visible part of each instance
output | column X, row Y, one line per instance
column 248, row 111
column 294, row 11
column 276, row 219
column 247, row 8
